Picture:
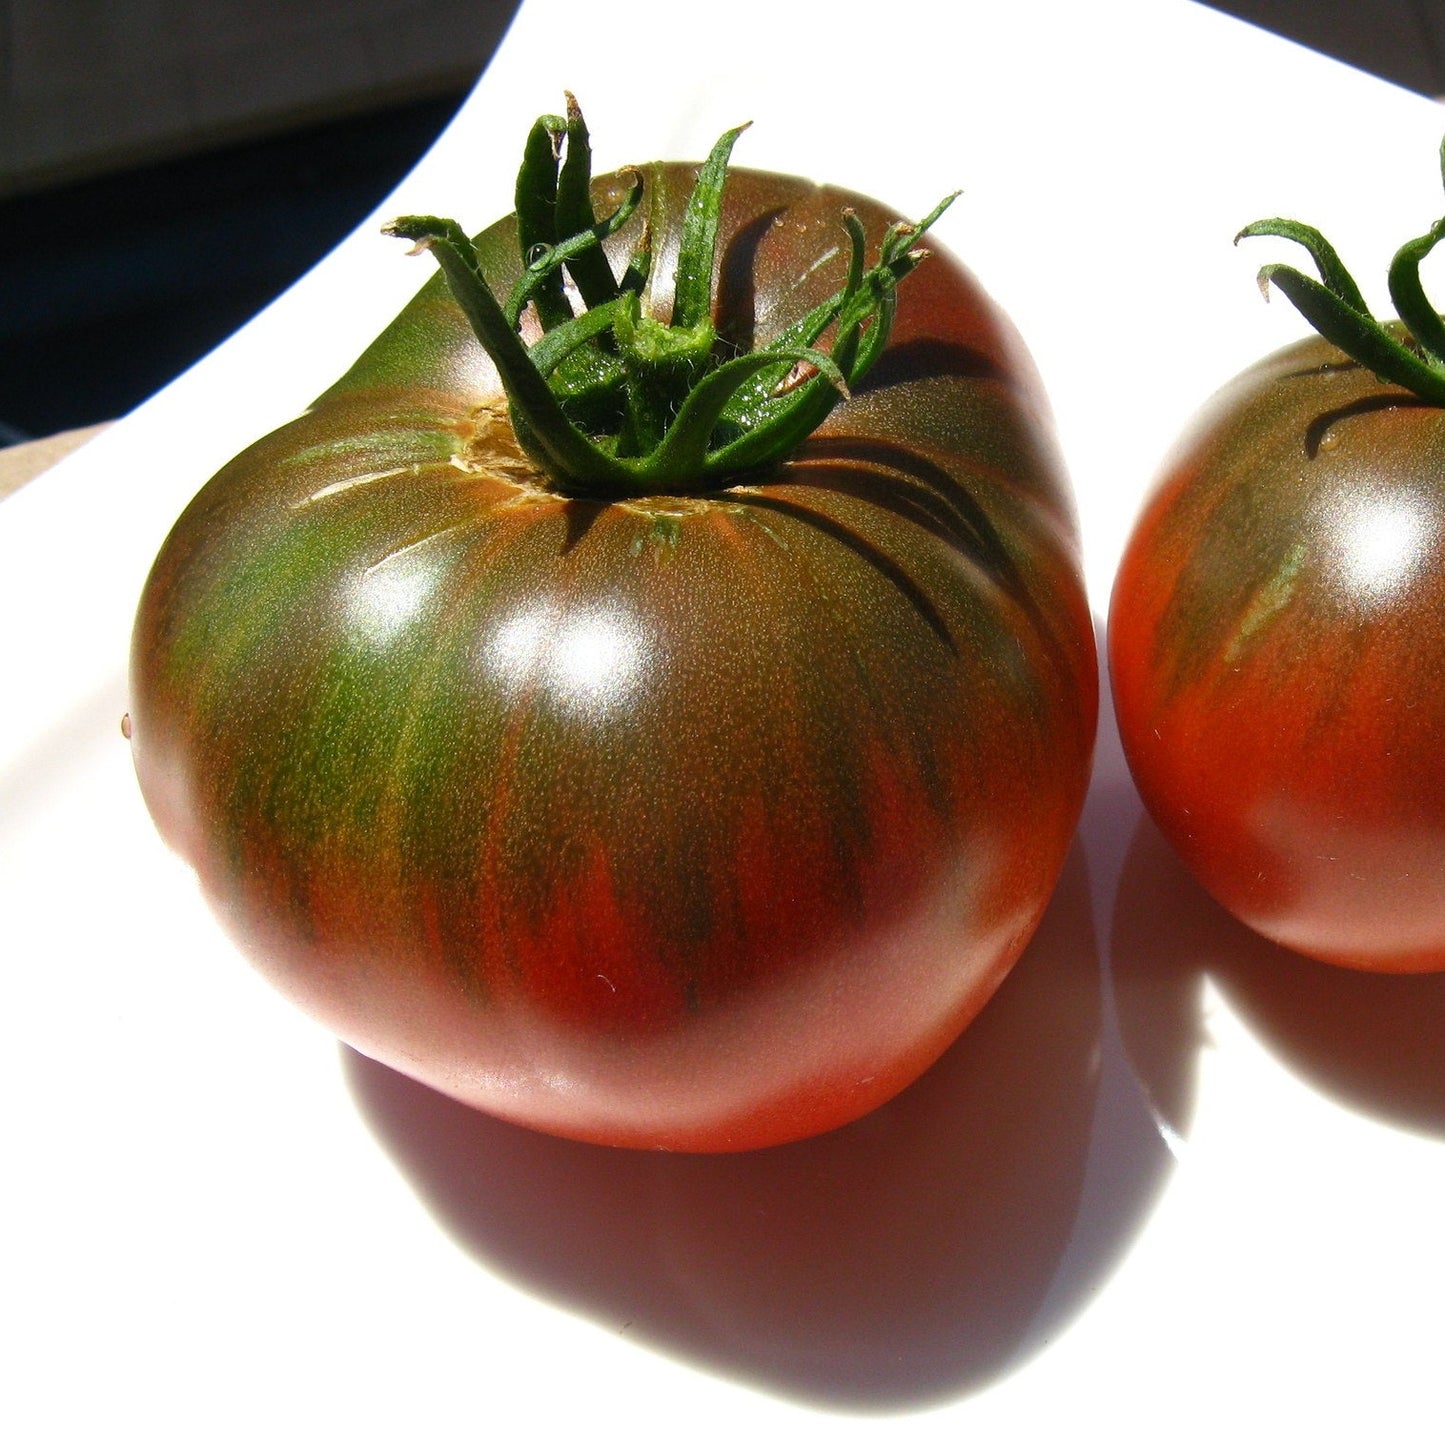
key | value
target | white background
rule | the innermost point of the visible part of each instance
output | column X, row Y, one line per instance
column 1174, row 1185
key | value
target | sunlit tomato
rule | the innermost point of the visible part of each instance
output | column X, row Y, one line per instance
column 1277, row 647
column 698, row 820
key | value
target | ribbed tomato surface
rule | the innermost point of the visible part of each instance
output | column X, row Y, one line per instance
column 691, row 822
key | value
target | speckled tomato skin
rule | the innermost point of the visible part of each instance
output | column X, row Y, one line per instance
column 1277, row 653
column 688, row 823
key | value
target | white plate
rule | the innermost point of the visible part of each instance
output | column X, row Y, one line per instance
column 1171, row 1183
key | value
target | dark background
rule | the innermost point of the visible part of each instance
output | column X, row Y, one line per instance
column 168, row 166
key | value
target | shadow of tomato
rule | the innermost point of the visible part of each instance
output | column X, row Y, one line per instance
column 1165, row 933
column 904, row 1259
column 1370, row 1041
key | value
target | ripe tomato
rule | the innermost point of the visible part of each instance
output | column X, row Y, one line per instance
column 1277, row 636
column 696, row 819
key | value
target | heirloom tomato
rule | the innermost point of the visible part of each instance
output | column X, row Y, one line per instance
column 607, row 706
column 1277, row 629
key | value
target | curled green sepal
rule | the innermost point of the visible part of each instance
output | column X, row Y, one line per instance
column 543, row 427
column 1327, row 261
column 612, row 403
column 1412, row 306
column 1335, row 307
column 863, row 311
column 692, row 291
column 566, row 453
column 578, row 253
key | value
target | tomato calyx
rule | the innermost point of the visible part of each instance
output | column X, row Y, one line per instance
column 1335, row 307
column 611, row 402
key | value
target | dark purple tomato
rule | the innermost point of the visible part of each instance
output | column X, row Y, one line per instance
column 694, row 821
column 1277, row 648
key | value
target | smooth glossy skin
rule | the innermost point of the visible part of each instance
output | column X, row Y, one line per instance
column 1277, row 647
column 683, row 823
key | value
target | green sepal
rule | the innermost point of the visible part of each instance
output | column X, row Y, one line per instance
column 589, row 268
column 535, row 198
column 580, row 250
column 692, row 292
column 612, row 403
column 1327, row 261
column 1412, row 306
column 1335, row 307
column 1360, row 337
column 543, row 427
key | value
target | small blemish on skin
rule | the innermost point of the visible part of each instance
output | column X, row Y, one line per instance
column 125, row 726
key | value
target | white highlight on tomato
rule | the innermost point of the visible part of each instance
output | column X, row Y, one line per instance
column 1381, row 541
column 590, row 658
column 390, row 595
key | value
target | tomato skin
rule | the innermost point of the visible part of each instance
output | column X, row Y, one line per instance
column 1277, row 652
column 695, row 823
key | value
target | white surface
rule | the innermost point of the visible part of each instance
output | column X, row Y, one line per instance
column 1170, row 1187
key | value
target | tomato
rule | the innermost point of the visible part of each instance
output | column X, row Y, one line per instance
column 693, row 817
column 1277, row 635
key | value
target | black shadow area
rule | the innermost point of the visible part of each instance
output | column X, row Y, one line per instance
column 906, row 1259
column 1370, row 1041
